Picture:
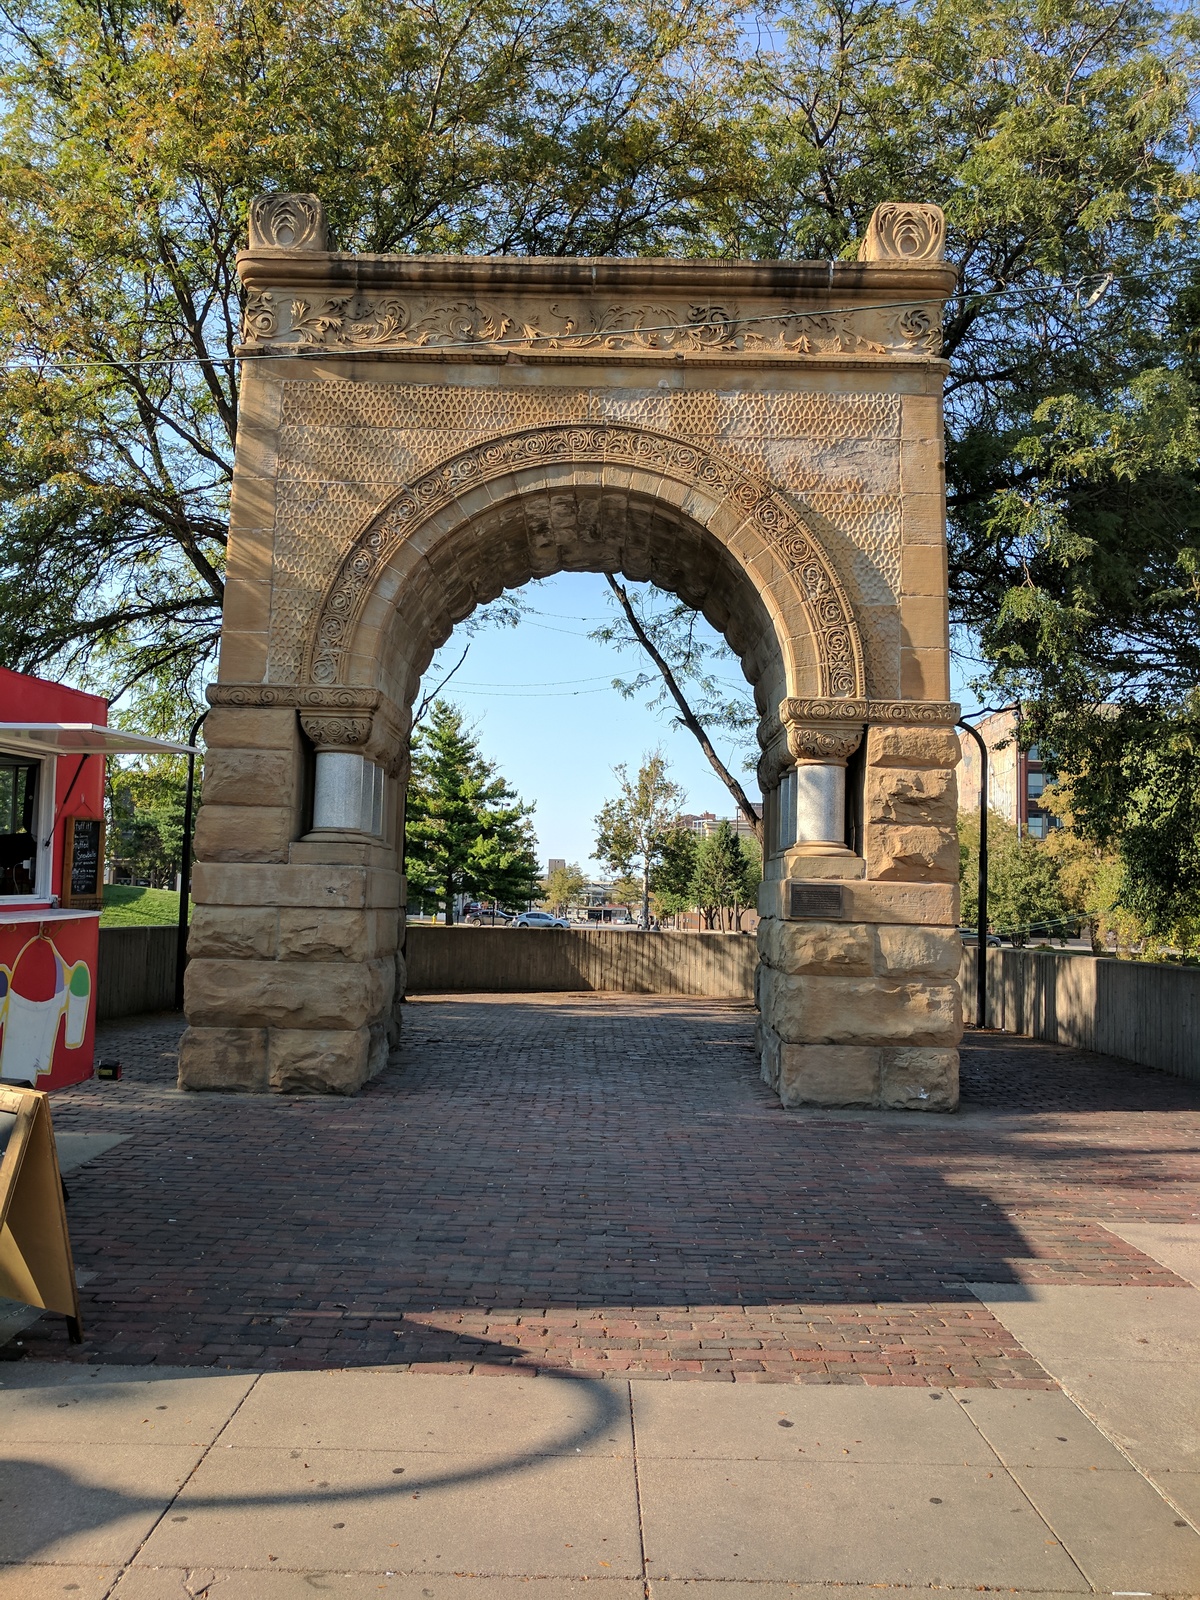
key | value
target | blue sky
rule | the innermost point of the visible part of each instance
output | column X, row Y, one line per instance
column 541, row 700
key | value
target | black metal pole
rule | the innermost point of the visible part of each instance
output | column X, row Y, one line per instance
column 185, row 867
column 981, row 953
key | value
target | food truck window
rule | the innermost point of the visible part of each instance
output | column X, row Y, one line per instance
column 18, row 825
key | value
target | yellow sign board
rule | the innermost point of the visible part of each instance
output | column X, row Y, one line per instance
column 35, row 1248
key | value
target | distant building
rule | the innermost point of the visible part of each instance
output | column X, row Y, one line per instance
column 1016, row 780
column 706, row 823
column 556, row 864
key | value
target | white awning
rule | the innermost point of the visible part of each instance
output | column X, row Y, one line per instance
column 83, row 738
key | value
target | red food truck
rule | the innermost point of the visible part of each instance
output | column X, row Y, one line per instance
column 53, row 744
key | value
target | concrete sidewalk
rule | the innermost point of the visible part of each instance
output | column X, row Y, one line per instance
column 355, row 1483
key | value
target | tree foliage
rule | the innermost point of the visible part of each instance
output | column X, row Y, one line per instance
column 1024, row 892
column 726, row 877
column 635, row 827
column 1056, row 134
column 466, row 832
column 560, row 887
column 1133, row 792
column 144, row 833
column 135, row 135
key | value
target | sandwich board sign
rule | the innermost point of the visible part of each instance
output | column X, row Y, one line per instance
column 35, row 1249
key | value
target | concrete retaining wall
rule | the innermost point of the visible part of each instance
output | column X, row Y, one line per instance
column 136, row 971
column 542, row 960
column 1143, row 1011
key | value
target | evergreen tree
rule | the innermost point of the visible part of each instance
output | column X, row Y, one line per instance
column 726, row 877
column 677, row 868
column 466, row 832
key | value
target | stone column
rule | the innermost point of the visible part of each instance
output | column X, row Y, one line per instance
column 293, row 973
column 858, row 981
column 821, row 751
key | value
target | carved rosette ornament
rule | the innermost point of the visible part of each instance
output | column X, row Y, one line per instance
column 288, row 222
column 905, row 231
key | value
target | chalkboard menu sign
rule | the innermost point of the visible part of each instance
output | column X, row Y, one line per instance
column 83, row 864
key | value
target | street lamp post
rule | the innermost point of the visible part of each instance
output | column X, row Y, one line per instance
column 185, row 867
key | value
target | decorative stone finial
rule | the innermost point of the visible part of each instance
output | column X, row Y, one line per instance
column 900, row 231
column 288, row 222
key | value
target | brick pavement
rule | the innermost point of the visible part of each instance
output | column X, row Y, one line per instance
column 602, row 1185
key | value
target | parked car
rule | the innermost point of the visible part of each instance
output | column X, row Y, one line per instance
column 538, row 919
column 970, row 936
column 477, row 916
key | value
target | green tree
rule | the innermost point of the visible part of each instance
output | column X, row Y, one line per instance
column 134, row 136
column 633, row 828
column 560, row 887
column 1058, row 139
column 144, row 833
column 1023, row 880
column 726, row 877
column 1133, row 789
column 676, row 869
column 465, row 832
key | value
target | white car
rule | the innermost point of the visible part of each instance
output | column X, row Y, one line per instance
column 538, row 919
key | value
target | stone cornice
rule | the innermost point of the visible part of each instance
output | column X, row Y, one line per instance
column 815, row 284
column 310, row 303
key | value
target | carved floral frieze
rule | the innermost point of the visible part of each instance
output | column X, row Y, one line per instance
column 828, row 744
column 829, row 729
column 394, row 322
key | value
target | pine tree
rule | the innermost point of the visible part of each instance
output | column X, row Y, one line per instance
column 466, row 831
column 726, row 876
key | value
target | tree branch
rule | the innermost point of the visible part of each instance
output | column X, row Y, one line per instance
column 687, row 715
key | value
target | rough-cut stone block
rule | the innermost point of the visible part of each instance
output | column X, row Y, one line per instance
column 250, row 728
column 267, row 884
column 319, row 1060
column 224, row 1058
column 911, row 745
column 919, row 952
column 919, row 1079
column 813, row 1010
column 817, row 947
column 246, row 777
column 925, row 798
column 236, row 933
column 917, row 855
column 243, row 833
column 828, row 1075
column 314, row 934
column 283, row 994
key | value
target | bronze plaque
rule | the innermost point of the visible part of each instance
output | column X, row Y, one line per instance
column 821, row 901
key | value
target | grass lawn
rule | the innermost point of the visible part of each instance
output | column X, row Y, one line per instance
column 126, row 904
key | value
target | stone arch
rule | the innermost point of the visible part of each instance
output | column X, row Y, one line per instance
column 426, row 542
column 670, row 419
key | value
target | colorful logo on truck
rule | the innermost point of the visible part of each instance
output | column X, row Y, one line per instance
column 35, row 995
